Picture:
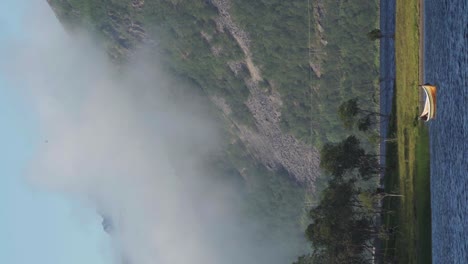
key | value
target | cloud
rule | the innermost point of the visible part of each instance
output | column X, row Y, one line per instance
column 130, row 143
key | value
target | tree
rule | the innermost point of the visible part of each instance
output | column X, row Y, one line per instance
column 375, row 34
column 348, row 155
column 364, row 124
column 347, row 111
column 368, row 166
column 352, row 115
column 368, row 201
column 337, row 158
column 339, row 233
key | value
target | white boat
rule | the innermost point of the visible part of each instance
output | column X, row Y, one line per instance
column 430, row 104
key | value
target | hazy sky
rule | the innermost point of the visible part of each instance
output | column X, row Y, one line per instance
column 36, row 226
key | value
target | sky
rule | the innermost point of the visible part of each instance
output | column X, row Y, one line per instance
column 36, row 226
column 83, row 138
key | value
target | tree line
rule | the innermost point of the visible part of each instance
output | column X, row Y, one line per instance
column 344, row 225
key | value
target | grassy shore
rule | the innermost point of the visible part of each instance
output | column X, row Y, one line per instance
column 408, row 159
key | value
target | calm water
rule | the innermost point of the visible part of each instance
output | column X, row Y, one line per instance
column 446, row 65
column 387, row 66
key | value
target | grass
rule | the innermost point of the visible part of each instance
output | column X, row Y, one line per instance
column 408, row 161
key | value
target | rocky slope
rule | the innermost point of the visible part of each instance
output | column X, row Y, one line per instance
column 277, row 70
column 270, row 145
column 266, row 141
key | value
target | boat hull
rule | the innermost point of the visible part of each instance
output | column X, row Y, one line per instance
column 429, row 111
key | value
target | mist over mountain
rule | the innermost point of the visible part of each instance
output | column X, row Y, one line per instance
column 276, row 70
column 137, row 144
column 193, row 127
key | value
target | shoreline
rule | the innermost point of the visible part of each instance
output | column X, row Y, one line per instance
column 421, row 41
column 387, row 74
column 421, row 49
column 407, row 158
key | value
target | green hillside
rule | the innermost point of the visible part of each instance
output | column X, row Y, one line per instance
column 279, row 36
column 303, row 57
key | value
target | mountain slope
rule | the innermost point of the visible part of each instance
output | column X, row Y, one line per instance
column 276, row 69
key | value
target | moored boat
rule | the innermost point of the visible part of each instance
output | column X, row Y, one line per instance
column 430, row 103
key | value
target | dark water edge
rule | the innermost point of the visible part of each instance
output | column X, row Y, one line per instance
column 386, row 79
column 387, row 68
column 446, row 65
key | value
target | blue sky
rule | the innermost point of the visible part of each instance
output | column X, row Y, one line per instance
column 36, row 226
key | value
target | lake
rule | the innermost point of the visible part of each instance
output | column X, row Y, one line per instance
column 446, row 65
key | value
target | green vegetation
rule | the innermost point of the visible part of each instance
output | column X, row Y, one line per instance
column 375, row 34
column 352, row 115
column 279, row 39
column 406, row 229
column 346, row 61
column 350, row 65
column 347, row 155
column 344, row 225
column 269, row 198
column 405, row 233
column 177, row 29
column 316, row 54
column 408, row 161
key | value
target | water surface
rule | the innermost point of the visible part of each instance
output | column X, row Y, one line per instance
column 387, row 66
column 446, row 65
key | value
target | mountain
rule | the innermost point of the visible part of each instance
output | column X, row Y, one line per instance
column 275, row 70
